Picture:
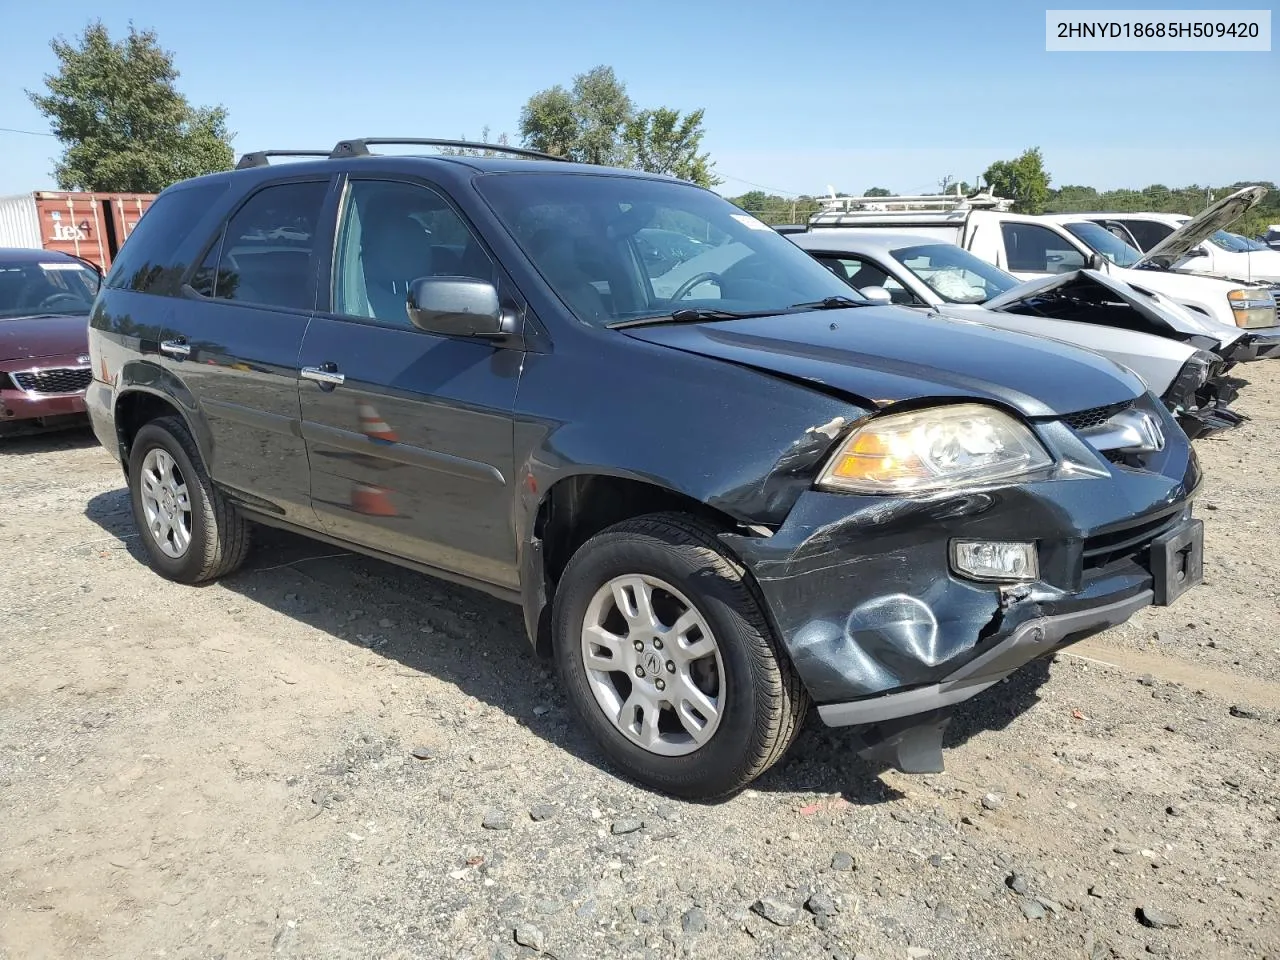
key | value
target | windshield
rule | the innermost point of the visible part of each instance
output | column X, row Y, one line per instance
column 29, row 287
column 1106, row 243
column 624, row 248
column 955, row 274
column 1234, row 242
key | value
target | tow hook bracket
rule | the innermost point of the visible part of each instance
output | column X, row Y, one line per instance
column 911, row 745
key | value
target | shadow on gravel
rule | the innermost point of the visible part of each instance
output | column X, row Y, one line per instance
column 47, row 441
column 478, row 644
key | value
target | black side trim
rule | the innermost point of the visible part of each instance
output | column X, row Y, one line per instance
column 402, row 453
column 493, row 589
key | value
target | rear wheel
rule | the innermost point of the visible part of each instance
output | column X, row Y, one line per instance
column 191, row 532
column 665, row 651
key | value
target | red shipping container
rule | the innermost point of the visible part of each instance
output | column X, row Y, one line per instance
column 88, row 225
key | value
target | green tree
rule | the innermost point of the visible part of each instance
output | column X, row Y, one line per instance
column 659, row 141
column 878, row 192
column 595, row 121
column 122, row 123
column 586, row 123
column 1023, row 180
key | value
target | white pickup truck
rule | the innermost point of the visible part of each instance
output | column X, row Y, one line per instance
column 1030, row 247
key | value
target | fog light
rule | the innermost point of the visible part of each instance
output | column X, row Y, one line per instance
column 995, row 560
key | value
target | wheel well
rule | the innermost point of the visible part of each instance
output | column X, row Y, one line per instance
column 134, row 410
column 579, row 507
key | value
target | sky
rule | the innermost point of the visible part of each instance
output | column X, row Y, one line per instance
column 799, row 97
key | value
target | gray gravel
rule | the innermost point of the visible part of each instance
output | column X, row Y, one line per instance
column 325, row 756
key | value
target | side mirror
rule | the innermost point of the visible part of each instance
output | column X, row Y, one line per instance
column 457, row 307
column 1095, row 261
column 1197, row 252
column 876, row 294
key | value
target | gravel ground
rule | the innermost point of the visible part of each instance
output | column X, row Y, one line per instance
column 325, row 756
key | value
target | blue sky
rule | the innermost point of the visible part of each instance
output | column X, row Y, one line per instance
column 798, row 96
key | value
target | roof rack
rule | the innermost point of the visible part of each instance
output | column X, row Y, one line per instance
column 850, row 209
column 259, row 158
column 360, row 147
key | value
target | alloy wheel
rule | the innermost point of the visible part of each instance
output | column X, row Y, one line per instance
column 166, row 504
column 653, row 665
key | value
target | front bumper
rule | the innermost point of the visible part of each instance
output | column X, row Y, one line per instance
column 1257, row 344
column 862, row 596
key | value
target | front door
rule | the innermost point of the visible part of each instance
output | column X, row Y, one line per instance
column 233, row 339
column 409, row 434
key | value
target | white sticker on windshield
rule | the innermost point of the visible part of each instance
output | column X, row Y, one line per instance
column 749, row 221
column 61, row 266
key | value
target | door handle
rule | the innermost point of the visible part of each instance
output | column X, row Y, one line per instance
column 175, row 348
column 326, row 375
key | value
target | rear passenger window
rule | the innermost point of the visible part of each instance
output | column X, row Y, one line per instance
column 392, row 234
column 151, row 259
column 266, row 254
column 1036, row 249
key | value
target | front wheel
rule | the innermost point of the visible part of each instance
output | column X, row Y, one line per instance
column 191, row 532
column 668, row 658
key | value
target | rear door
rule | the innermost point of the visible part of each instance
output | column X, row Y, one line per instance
column 234, row 338
column 409, row 434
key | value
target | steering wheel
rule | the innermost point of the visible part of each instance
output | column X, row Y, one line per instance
column 695, row 280
column 51, row 301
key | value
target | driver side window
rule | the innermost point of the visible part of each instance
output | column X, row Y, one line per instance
column 859, row 273
column 392, row 234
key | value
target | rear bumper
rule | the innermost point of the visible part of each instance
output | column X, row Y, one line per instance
column 1034, row 638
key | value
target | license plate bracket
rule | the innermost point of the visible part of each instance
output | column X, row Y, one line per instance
column 1177, row 561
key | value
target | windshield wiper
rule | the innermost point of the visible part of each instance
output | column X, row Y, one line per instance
column 690, row 315
column 830, row 303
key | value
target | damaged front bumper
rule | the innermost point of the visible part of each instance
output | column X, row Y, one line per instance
column 1257, row 344
column 879, row 627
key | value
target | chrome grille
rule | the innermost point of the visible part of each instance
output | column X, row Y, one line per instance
column 56, row 380
column 1095, row 416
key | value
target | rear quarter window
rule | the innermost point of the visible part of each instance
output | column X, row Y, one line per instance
column 149, row 261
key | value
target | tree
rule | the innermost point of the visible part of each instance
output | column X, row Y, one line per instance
column 585, row 123
column 1023, row 180
column 595, row 121
column 878, row 192
column 122, row 123
column 659, row 141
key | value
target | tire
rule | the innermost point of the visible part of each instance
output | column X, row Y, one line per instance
column 760, row 701
column 218, row 539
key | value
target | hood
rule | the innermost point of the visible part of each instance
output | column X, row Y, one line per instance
column 1091, row 285
column 51, row 335
column 883, row 355
column 1198, row 229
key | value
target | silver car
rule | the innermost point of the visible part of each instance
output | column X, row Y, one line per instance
column 1085, row 308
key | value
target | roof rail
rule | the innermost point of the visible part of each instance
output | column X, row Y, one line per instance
column 360, row 147
column 259, row 158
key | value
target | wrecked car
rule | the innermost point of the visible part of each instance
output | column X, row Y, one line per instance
column 1085, row 308
column 1030, row 246
column 45, row 297
column 717, row 504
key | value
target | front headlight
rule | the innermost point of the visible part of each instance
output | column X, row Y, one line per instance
column 1195, row 373
column 934, row 449
column 1253, row 308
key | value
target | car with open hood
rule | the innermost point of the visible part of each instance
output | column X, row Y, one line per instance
column 1199, row 244
column 45, row 298
column 1036, row 246
column 717, row 503
column 1085, row 308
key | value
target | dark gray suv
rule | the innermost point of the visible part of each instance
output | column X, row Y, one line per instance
column 721, row 489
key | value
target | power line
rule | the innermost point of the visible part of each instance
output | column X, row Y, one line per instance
column 761, row 186
column 30, row 133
